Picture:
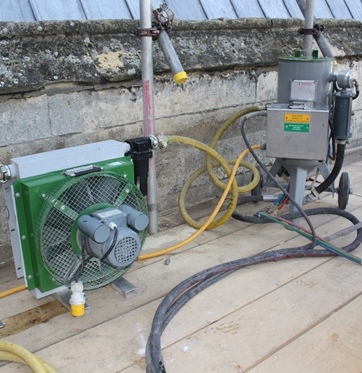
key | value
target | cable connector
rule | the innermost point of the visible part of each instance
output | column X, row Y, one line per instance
column 112, row 226
column 77, row 299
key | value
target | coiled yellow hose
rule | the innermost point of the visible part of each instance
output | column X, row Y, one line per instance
column 225, row 165
column 229, row 211
column 210, row 164
column 216, row 138
column 12, row 352
column 211, row 217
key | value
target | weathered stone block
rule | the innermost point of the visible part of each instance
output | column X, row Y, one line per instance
column 24, row 120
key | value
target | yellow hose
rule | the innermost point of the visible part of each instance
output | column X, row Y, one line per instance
column 225, row 165
column 210, row 165
column 12, row 352
column 12, row 291
column 211, row 217
column 216, row 138
column 222, row 220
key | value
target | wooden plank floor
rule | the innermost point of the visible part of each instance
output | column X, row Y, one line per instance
column 298, row 315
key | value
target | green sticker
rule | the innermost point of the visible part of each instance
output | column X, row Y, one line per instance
column 296, row 127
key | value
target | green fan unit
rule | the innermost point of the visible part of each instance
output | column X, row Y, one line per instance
column 84, row 222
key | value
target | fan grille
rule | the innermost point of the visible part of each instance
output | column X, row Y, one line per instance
column 55, row 230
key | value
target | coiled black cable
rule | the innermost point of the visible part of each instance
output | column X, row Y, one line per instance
column 193, row 285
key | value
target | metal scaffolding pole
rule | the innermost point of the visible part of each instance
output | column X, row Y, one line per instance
column 148, row 107
column 308, row 24
column 318, row 36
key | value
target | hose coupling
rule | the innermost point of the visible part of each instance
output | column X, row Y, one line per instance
column 162, row 141
column 5, row 173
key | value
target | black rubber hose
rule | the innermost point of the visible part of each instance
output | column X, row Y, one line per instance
column 335, row 171
column 252, row 198
column 190, row 287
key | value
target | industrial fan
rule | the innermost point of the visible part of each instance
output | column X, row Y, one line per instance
column 74, row 213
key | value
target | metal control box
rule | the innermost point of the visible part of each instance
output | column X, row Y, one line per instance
column 297, row 133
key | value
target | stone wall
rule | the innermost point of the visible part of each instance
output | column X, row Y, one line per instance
column 70, row 83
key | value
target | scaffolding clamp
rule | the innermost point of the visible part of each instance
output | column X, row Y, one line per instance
column 150, row 32
column 163, row 17
column 311, row 31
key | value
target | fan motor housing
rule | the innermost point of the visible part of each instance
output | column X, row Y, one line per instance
column 119, row 246
column 44, row 209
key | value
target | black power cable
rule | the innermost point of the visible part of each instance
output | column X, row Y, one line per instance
column 111, row 247
column 262, row 166
column 193, row 285
column 86, row 249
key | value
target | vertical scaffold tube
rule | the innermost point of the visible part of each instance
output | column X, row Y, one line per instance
column 308, row 25
column 318, row 36
column 148, row 108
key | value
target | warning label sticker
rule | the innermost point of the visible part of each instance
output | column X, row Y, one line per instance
column 296, row 122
